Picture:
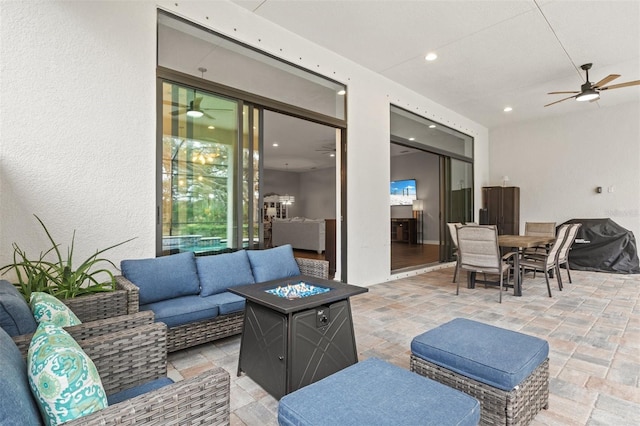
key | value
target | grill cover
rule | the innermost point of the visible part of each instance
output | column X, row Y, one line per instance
column 604, row 246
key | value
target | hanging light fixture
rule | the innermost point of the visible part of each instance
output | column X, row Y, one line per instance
column 194, row 112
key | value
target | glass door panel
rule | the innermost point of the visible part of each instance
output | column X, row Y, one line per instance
column 457, row 199
column 199, row 194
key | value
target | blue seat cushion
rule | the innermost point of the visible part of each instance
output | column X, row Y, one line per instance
column 183, row 310
column 492, row 355
column 17, row 406
column 16, row 317
column 374, row 392
column 227, row 302
column 273, row 264
column 219, row 272
column 138, row 390
column 163, row 278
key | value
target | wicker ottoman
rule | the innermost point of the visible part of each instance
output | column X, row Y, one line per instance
column 374, row 392
column 507, row 371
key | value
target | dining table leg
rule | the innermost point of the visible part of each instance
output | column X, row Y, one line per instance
column 517, row 278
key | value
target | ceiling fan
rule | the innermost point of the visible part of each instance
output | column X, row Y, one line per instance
column 591, row 92
column 194, row 109
column 328, row 148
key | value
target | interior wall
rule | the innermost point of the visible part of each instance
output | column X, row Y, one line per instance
column 424, row 167
column 284, row 183
column 559, row 162
column 318, row 193
column 88, row 161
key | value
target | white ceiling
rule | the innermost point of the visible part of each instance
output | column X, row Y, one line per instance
column 491, row 54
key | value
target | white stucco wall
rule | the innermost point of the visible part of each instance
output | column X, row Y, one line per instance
column 559, row 162
column 78, row 126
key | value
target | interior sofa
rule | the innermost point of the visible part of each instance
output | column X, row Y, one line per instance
column 189, row 294
column 301, row 233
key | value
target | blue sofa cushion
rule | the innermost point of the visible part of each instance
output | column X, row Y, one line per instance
column 15, row 314
column 273, row 264
column 492, row 355
column 228, row 302
column 17, row 406
column 163, row 277
column 183, row 310
column 219, row 272
column 374, row 392
column 138, row 390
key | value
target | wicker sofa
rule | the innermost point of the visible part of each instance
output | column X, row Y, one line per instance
column 190, row 295
column 132, row 361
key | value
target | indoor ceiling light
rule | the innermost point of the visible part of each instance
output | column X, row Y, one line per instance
column 431, row 56
column 432, row 126
column 342, row 92
column 507, row 109
column 587, row 95
column 195, row 113
column 412, row 139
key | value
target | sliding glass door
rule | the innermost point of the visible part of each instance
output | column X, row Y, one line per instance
column 209, row 172
column 457, row 199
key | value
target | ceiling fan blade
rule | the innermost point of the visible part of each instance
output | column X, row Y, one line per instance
column 607, row 79
column 208, row 115
column 570, row 97
column 561, row 93
column 617, row 86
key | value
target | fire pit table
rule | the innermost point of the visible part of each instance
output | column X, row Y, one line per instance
column 296, row 331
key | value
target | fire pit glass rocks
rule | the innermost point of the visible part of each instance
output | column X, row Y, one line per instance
column 297, row 291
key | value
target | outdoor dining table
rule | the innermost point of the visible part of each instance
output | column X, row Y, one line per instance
column 520, row 242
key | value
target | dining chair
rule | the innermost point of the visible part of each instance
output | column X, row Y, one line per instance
column 454, row 237
column 478, row 251
column 539, row 229
column 563, row 255
column 546, row 262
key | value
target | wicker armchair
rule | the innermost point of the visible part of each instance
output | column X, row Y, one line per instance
column 138, row 355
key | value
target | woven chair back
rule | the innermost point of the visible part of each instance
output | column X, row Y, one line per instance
column 568, row 242
column 554, row 251
column 478, row 248
column 453, row 231
column 540, row 229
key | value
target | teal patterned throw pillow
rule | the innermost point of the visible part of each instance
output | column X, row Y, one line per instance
column 48, row 308
column 63, row 379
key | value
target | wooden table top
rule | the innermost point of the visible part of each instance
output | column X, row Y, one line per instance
column 523, row 241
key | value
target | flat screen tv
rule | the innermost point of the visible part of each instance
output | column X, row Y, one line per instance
column 403, row 192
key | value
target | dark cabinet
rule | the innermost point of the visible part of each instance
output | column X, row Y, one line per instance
column 330, row 245
column 501, row 207
column 404, row 230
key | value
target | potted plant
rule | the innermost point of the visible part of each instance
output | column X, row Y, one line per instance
column 54, row 274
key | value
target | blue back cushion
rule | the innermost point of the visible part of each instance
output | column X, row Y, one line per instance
column 219, row 272
column 164, row 277
column 273, row 264
column 15, row 314
column 17, row 406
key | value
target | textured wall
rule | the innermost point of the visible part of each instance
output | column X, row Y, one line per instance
column 78, row 125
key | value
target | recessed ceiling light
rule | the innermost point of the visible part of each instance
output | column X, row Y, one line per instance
column 412, row 139
column 431, row 56
column 342, row 92
column 507, row 109
column 432, row 126
column 332, row 155
column 275, row 144
column 211, row 127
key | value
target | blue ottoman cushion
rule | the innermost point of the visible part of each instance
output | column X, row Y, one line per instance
column 163, row 277
column 491, row 355
column 16, row 317
column 374, row 392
